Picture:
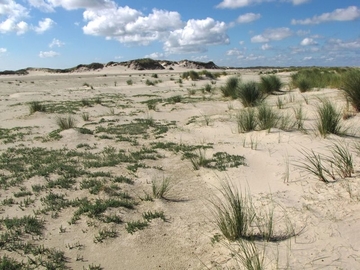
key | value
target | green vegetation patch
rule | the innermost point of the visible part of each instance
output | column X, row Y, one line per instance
column 13, row 135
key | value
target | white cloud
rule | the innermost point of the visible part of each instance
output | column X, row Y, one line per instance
column 201, row 58
column 248, row 17
column 234, row 51
column 239, row 3
column 308, row 41
column 272, row 34
column 48, row 54
column 155, row 55
column 128, row 25
column 13, row 13
column 56, row 43
column 299, row 2
column 241, row 42
column 10, row 25
column 3, row 50
column 302, row 32
column 342, row 14
column 12, row 10
column 307, row 58
column 84, row 4
column 196, row 36
column 338, row 44
column 265, row 47
column 44, row 25
column 40, row 4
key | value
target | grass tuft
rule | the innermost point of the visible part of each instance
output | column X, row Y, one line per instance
column 230, row 88
column 246, row 120
column 351, row 88
column 36, row 106
column 329, row 119
column 65, row 122
column 250, row 94
column 161, row 188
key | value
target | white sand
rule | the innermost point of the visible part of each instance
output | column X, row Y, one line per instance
column 326, row 216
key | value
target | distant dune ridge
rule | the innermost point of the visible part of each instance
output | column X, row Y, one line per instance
column 137, row 64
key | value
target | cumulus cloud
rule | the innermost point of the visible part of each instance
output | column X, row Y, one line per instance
column 233, row 52
column 342, row 14
column 42, row 5
column 44, row 25
column 272, row 34
column 3, row 50
column 155, row 55
column 239, row 3
column 248, row 17
column 56, row 43
column 14, row 14
column 196, row 36
column 338, row 44
column 128, row 25
column 265, row 47
column 307, row 58
column 48, row 54
column 83, row 4
column 308, row 41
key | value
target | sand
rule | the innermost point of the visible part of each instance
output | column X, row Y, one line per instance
column 325, row 217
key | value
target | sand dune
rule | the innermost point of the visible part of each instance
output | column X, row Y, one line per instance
column 123, row 128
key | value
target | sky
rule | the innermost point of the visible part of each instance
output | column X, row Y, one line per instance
column 236, row 33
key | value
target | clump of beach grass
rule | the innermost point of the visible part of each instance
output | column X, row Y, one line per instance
column 267, row 117
column 161, row 188
column 231, row 87
column 36, row 106
column 246, row 120
column 66, row 122
column 351, row 88
column 270, row 84
column 249, row 94
column 329, row 119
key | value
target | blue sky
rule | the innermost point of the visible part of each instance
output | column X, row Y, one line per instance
column 241, row 33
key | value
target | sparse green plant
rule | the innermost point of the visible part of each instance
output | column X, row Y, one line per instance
column 234, row 213
column 104, row 234
column 231, row 87
column 351, row 88
column 134, row 226
column 208, row 88
column 65, row 122
column 249, row 256
column 129, row 82
column 280, row 103
column 85, row 116
column 149, row 215
column 161, row 188
column 267, row 118
column 329, row 121
column 246, row 120
column 250, row 94
column 314, row 164
column 199, row 160
column 304, row 84
column 342, row 160
column 86, row 102
column 270, row 84
column 36, row 106
column 299, row 118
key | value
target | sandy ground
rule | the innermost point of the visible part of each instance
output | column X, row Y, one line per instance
column 326, row 217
